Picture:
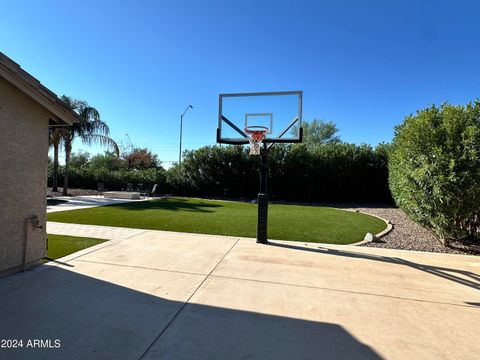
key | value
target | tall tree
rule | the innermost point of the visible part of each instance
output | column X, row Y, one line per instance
column 319, row 132
column 80, row 160
column 54, row 140
column 108, row 160
column 90, row 129
column 141, row 159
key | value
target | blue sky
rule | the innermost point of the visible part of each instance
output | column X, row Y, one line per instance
column 363, row 65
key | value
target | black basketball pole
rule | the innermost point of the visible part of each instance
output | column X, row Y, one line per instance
column 263, row 197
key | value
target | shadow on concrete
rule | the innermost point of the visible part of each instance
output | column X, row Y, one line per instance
column 57, row 262
column 205, row 332
column 95, row 319
column 170, row 204
column 472, row 303
column 462, row 277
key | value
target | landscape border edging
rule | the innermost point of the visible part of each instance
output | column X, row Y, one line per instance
column 380, row 234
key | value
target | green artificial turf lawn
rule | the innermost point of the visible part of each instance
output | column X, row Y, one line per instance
column 60, row 245
column 286, row 222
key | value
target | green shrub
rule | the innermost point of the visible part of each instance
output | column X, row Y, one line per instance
column 334, row 172
column 88, row 178
column 330, row 172
column 435, row 169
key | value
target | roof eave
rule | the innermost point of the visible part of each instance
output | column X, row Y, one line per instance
column 14, row 74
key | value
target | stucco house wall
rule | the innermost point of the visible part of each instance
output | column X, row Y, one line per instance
column 23, row 178
column 27, row 108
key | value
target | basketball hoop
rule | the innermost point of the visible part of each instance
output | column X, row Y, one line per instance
column 256, row 135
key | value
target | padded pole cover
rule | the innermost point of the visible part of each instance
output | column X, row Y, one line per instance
column 262, row 218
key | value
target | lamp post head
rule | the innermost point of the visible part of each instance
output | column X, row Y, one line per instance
column 181, row 126
column 188, row 107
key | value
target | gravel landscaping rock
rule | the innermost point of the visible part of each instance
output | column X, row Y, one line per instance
column 408, row 235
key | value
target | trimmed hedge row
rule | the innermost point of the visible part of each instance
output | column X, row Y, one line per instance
column 327, row 173
column 87, row 178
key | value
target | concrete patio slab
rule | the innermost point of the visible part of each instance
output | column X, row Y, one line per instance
column 168, row 285
column 166, row 251
column 160, row 295
column 93, row 231
column 96, row 311
column 252, row 319
column 365, row 270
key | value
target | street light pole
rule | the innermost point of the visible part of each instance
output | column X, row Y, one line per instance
column 181, row 128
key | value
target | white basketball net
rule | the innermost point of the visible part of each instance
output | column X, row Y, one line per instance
column 255, row 146
column 256, row 134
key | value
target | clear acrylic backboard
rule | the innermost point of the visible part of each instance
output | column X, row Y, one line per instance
column 280, row 112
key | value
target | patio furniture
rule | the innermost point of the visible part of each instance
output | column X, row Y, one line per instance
column 143, row 192
column 129, row 187
column 152, row 192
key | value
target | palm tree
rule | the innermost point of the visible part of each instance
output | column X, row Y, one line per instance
column 90, row 129
column 54, row 140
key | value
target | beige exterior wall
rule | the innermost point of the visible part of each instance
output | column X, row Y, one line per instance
column 23, row 176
